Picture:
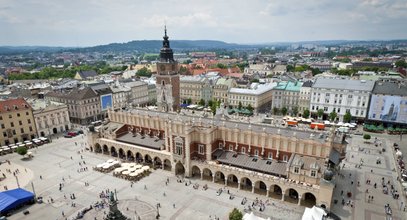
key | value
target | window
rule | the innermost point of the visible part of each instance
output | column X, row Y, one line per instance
column 256, row 153
column 231, row 147
column 325, row 109
column 220, row 145
column 22, row 130
column 1, row 117
column 10, row 116
column 285, row 158
column 201, row 149
column 313, row 173
column 361, row 113
column 4, row 134
column 31, row 128
column 2, row 126
column 339, row 110
column 18, row 114
column 243, row 150
column 20, row 122
column 296, row 169
column 178, row 148
column 26, row 113
column 270, row 155
column 12, row 124
column 14, row 131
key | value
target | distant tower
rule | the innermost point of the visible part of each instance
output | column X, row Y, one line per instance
column 167, row 79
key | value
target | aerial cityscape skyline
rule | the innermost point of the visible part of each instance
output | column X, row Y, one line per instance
column 91, row 23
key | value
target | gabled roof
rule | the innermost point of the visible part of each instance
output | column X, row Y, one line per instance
column 11, row 105
column 87, row 74
column 75, row 94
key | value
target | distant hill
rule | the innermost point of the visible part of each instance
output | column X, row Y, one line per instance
column 29, row 49
column 155, row 45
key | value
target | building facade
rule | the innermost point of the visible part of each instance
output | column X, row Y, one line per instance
column 50, row 117
column 305, row 97
column 121, row 95
column 84, row 104
column 287, row 94
column 259, row 96
column 221, row 89
column 167, row 79
column 388, row 104
column 16, row 122
column 138, row 93
column 341, row 96
column 195, row 88
column 275, row 162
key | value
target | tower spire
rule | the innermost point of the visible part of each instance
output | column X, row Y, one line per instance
column 165, row 30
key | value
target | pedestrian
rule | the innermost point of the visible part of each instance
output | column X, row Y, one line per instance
column 63, row 214
column 173, row 205
column 40, row 177
column 145, row 187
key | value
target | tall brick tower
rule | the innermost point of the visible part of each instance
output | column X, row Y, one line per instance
column 167, row 79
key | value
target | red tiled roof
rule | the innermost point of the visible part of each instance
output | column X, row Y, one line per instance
column 11, row 105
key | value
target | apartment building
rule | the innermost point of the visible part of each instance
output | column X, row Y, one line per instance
column 50, row 117
column 286, row 94
column 195, row 88
column 16, row 121
column 84, row 104
column 138, row 93
column 259, row 96
column 305, row 96
column 341, row 96
column 221, row 89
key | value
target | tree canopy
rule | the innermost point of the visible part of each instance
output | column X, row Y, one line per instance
column 22, row 150
column 235, row 214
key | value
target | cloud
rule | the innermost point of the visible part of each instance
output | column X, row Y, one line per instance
column 92, row 22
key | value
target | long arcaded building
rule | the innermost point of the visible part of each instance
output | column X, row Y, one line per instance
column 287, row 164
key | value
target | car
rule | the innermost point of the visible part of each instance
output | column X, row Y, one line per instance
column 67, row 136
column 72, row 133
column 79, row 131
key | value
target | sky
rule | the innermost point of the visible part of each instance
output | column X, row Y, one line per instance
column 96, row 22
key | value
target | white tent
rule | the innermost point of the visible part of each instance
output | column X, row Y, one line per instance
column 313, row 213
column 251, row 216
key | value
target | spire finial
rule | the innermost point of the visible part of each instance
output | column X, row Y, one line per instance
column 165, row 30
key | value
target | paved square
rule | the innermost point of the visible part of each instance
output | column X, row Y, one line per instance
column 54, row 164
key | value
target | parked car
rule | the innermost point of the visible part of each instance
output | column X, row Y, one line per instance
column 67, row 136
column 72, row 133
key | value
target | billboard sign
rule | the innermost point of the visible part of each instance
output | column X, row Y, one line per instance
column 106, row 101
column 388, row 108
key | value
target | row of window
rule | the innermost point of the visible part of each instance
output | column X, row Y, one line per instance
column 313, row 173
column 11, row 116
column 14, row 131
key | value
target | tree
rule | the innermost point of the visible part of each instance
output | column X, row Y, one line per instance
column 276, row 111
column 221, row 66
column 202, row 102
column 290, row 68
column 320, row 113
column 366, row 137
column 213, row 107
column 21, row 150
column 240, row 106
column 235, row 214
column 306, row 113
column 401, row 63
column 295, row 111
column 189, row 101
column 347, row 117
column 250, row 108
column 210, row 103
column 143, row 72
column 332, row 116
column 284, row 110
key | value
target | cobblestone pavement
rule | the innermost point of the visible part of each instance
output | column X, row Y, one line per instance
column 54, row 164
column 354, row 180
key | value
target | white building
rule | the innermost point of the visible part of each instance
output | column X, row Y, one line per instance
column 121, row 95
column 259, row 96
column 305, row 96
column 50, row 117
column 341, row 96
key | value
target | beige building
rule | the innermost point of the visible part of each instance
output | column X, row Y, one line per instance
column 138, row 93
column 305, row 97
column 50, row 117
column 285, row 164
column 195, row 88
column 221, row 89
column 259, row 96
column 16, row 121
column 121, row 95
column 83, row 104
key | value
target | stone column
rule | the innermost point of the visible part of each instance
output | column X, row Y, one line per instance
column 226, row 181
column 268, row 192
column 238, row 184
column 187, row 155
column 208, row 152
column 299, row 199
column 253, row 185
column 213, row 178
column 202, row 175
column 282, row 197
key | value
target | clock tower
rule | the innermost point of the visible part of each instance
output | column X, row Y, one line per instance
column 167, row 79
